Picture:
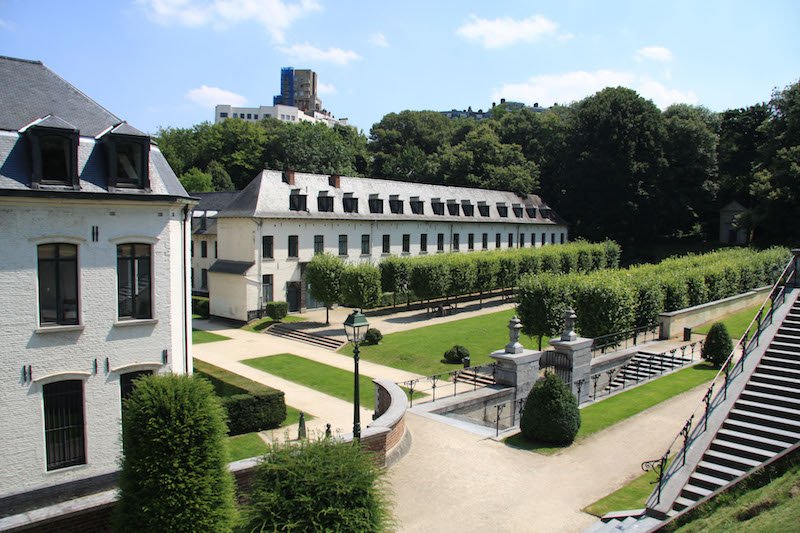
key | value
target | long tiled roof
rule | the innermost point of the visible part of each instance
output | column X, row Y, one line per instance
column 267, row 196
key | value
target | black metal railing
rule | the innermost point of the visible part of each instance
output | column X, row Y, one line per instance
column 449, row 384
column 624, row 339
column 559, row 363
column 729, row 371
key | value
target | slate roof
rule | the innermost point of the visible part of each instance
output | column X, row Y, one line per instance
column 213, row 201
column 267, row 196
column 226, row 266
column 31, row 94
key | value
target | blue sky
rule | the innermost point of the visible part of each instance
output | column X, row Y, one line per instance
column 167, row 62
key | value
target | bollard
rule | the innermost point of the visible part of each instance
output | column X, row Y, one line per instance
column 301, row 430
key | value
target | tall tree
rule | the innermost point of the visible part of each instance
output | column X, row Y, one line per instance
column 324, row 275
column 220, row 178
column 195, row 180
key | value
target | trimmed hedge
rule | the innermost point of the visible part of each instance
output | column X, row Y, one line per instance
column 276, row 310
column 373, row 336
column 200, row 306
column 551, row 414
column 254, row 412
column 361, row 286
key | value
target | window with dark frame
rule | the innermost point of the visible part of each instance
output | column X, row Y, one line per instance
column 134, row 281
column 396, row 206
column 485, row 241
column 325, row 204
column 64, row 430
column 54, row 156
column 502, row 210
column 267, row 288
column 297, row 201
column 417, row 207
column 127, row 382
column 483, row 209
column 455, row 243
column 562, row 238
column 293, row 246
column 468, row 209
column 128, row 160
column 440, row 242
column 437, row 207
column 375, row 205
column 406, row 243
column 319, row 244
column 471, row 241
column 216, row 250
column 204, row 278
column 552, row 238
column 350, row 204
column 453, row 209
column 423, row 242
column 365, row 245
column 342, row 244
column 497, row 240
column 517, row 210
column 386, row 244
column 522, row 240
column 267, row 244
column 544, row 238
column 510, row 240
column 58, row 284
column 203, row 248
column 533, row 239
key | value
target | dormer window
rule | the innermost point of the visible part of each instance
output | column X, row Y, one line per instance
column 467, row 208
column 128, row 152
column 417, row 206
column 452, row 208
column 54, row 153
column 531, row 211
column 396, row 204
column 517, row 208
column 546, row 212
column 437, row 206
column 349, row 203
column 483, row 209
column 375, row 204
column 502, row 209
column 297, row 201
column 324, row 202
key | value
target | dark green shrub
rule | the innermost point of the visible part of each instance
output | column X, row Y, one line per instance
column 675, row 294
column 697, row 287
column 613, row 252
column 394, row 275
column 276, row 310
column 200, row 306
column 649, row 301
column 551, row 262
column 320, row 485
column 373, row 336
column 551, row 412
column 361, row 286
column 429, row 278
column 604, row 304
column 456, row 354
column 542, row 302
column 324, row 274
column 254, row 412
column 718, row 345
column 174, row 466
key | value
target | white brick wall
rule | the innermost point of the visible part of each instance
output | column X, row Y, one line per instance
column 24, row 223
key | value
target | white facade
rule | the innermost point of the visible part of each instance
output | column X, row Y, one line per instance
column 237, row 285
column 281, row 112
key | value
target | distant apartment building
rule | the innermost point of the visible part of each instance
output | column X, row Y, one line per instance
column 480, row 114
column 298, row 102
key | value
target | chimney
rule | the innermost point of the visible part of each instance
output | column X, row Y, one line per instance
column 334, row 180
column 502, row 100
column 288, row 176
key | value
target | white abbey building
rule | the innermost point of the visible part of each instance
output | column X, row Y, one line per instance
column 267, row 233
column 93, row 283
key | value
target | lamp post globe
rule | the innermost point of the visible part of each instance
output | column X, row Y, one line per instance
column 355, row 327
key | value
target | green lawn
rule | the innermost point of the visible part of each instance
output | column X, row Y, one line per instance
column 201, row 337
column 323, row 378
column 245, row 446
column 605, row 413
column 420, row 350
column 259, row 325
column 735, row 322
column 631, row 496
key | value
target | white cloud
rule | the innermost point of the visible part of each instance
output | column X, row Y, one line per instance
column 379, row 39
column 274, row 15
column 307, row 52
column 5, row 25
column 206, row 96
column 506, row 31
column 654, row 53
column 571, row 86
column 326, row 88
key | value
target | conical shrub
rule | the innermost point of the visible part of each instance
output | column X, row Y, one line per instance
column 718, row 345
column 551, row 412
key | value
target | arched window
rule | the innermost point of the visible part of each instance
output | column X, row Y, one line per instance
column 64, row 431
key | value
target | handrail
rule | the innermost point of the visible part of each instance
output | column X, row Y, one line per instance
column 611, row 340
column 488, row 369
column 747, row 341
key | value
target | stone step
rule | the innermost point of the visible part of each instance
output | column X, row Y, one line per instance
column 784, row 346
column 773, row 379
column 707, row 481
column 329, row 343
column 786, row 338
column 719, row 470
column 754, row 441
column 741, row 450
column 682, row 503
column 767, row 366
column 694, row 493
column 789, row 329
column 730, row 460
column 770, row 398
column 782, row 435
column 771, row 410
column 771, row 388
column 791, row 358
column 752, row 417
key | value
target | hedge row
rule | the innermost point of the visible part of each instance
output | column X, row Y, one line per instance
column 617, row 300
column 454, row 274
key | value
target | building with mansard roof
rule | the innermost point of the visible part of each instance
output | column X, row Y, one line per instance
column 94, row 276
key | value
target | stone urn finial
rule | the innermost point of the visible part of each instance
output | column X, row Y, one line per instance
column 514, row 329
column 569, row 325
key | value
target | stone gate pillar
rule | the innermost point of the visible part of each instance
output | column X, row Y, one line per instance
column 516, row 366
column 579, row 351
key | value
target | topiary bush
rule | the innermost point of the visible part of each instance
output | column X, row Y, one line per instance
column 456, row 354
column 551, row 414
column 254, row 412
column 718, row 345
column 373, row 336
column 200, row 306
column 320, row 485
column 276, row 310
column 175, row 464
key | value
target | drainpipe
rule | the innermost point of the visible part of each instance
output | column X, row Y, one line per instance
column 185, row 291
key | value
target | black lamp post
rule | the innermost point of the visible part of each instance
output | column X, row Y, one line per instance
column 355, row 327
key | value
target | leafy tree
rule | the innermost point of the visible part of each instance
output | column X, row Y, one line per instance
column 324, row 274
column 543, row 299
column 718, row 345
column 740, row 137
column 361, row 285
column 220, row 178
column 551, row 412
column 174, row 466
column 195, row 180
column 319, row 485
column 394, row 276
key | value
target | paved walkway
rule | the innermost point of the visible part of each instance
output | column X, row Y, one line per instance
column 452, row 480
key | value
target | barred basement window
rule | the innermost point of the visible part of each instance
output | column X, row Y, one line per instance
column 133, row 281
column 64, row 432
column 58, row 284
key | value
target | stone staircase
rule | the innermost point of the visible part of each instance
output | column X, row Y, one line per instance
column 644, row 366
column 287, row 332
column 763, row 421
column 630, row 521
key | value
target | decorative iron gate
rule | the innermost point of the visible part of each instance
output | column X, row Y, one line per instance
column 559, row 363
